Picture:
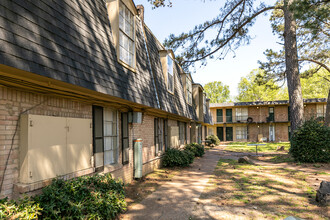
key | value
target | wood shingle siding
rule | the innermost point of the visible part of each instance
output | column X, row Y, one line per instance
column 71, row 41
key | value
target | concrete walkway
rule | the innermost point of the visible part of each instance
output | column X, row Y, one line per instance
column 176, row 199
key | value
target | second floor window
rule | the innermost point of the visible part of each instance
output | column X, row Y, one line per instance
column 219, row 115
column 189, row 90
column 126, row 35
column 204, row 104
column 241, row 114
column 170, row 77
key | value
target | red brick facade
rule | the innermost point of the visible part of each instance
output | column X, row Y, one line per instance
column 259, row 123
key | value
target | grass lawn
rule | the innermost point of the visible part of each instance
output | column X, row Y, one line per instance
column 242, row 147
column 239, row 191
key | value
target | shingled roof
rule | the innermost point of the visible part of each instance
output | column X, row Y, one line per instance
column 278, row 102
column 173, row 103
column 70, row 41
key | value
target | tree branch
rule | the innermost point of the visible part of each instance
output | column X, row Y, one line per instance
column 317, row 62
column 232, row 35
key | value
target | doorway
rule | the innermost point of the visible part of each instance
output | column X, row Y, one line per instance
column 229, row 133
column 220, row 133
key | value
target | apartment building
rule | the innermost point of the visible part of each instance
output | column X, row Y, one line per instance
column 81, row 84
column 259, row 121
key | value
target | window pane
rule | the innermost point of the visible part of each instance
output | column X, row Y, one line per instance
column 108, row 157
column 108, row 127
column 114, row 129
column 121, row 22
column 98, row 145
column 108, row 143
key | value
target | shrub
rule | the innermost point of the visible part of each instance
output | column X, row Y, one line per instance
column 88, row 197
column 190, row 156
column 212, row 139
column 22, row 209
column 311, row 142
column 176, row 157
column 197, row 149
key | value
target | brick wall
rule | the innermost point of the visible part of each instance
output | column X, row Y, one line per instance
column 259, row 113
column 12, row 103
column 281, row 132
column 309, row 111
column 281, row 113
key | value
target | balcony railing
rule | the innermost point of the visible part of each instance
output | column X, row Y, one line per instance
column 241, row 118
column 219, row 119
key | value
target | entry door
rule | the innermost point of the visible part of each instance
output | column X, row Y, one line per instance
column 220, row 133
column 229, row 133
column 271, row 133
column 229, row 115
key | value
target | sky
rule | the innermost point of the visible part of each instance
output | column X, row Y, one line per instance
column 185, row 14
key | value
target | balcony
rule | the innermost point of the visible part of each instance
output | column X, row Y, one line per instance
column 219, row 119
column 241, row 118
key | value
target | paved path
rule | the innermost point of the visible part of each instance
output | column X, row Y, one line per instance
column 176, row 199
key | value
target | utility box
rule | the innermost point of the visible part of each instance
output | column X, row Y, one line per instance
column 137, row 158
column 53, row 146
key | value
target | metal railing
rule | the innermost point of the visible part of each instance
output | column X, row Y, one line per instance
column 241, row 118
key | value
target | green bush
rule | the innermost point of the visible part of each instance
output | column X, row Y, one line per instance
column 175, row 157
column 311, row 143
column 212, row 139
column 88, row 197
column 197, row 149
column 22, row 209
column 190, row 156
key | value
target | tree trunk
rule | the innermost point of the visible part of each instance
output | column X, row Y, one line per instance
column 327, row 112
column 292, row 68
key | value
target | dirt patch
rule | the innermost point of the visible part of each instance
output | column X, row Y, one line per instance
column 139, row 189
column 267, row 190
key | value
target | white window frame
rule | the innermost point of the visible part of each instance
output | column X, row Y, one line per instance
column 170, row 73
column 241, row 133
column 189, row 90
column 110, row 135
column 123, row 34
column 320, row 110
column 204, row 104
column 241, row 114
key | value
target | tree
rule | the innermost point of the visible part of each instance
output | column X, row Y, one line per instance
column 315, row 86
column 217, row 92
column 250, row 90
column 312, row 45
column 232, row 26
column 254, row 88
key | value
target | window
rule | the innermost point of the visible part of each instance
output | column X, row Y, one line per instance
column 204, row 104
column 229, row 115
column 241, row 114
column 320, row 110
column 182, row 132
column 110, row 136
column 271, row 114
column 105, row 144
column 160, row 135
column 241, row 133
column 170, row 78
column 124, row 137
column 189, row 90
column 219, row 115
column 126, row 35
